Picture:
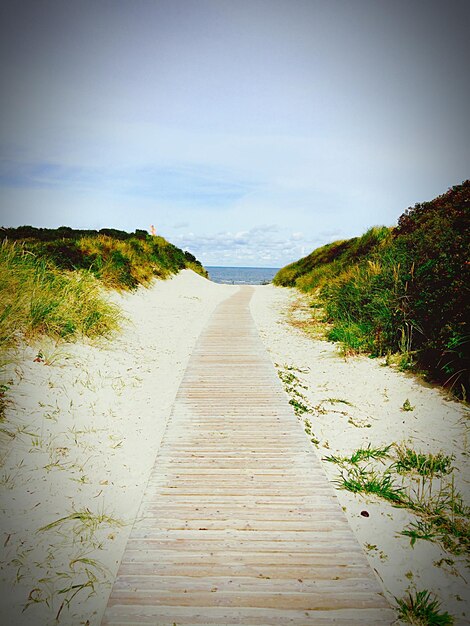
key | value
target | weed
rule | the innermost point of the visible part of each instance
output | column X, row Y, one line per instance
column 7, row 480
column 83, row 522
column 338, row 401
column 360, row 480
column 420, row 529
column 362, row 454
column 359, row 423
column 82, row 574
column 52, row 352
column 409, row 461
column 299, row 407
column 292, row 384
column 3, row 401
column 407, row 406
column 420, row 609
column 443, row 518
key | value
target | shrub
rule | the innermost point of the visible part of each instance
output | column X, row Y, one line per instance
column 436, row 237
column 404, row 289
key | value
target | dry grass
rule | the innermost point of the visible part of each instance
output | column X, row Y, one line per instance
column 38, row 299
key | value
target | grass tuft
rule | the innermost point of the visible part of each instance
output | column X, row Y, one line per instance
column 84, row 519
column 409, row 461
column 420, row 609
column 359, row 480
column 51, row 281
column 442, row 516
column 407, row 406
column 362, row 454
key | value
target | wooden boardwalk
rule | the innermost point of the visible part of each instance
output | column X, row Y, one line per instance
column 239, row 524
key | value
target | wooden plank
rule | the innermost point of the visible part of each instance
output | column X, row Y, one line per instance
column 239, row 524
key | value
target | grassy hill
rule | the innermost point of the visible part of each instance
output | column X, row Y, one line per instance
column 401, row 290
column 51, row 280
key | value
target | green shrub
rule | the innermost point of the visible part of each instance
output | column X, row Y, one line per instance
column 436, row 237
column 400, row 290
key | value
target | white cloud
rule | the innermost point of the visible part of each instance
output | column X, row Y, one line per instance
column 268, row 246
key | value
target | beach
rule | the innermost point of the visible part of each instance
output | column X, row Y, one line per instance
column 84, row 433
column 85, row 422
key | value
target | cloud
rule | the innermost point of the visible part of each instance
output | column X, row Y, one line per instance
column 279, row 129
column 265, row 245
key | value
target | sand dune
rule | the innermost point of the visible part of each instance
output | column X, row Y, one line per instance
column 82, row 433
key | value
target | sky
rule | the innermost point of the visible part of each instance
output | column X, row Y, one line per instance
column 247, row 131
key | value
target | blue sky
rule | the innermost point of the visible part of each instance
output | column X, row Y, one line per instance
column 247, row 131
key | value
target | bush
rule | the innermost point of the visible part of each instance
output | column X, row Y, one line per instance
column 404, row 289
column 436, row 237
column 316, row 269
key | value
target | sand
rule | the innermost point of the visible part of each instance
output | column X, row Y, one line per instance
column 82, row 433
column 86, row 431
column 376, row 395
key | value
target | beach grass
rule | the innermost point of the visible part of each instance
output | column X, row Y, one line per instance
column 38, row 298
column 52, row 280
column 414, row 480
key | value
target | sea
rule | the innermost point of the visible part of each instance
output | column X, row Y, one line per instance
column 242, row 275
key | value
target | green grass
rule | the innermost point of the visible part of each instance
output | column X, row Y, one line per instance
column 421, row 609
column 83, row 521
column 362, row 454
column 314, row 270
column 3, row 401
column 298, row 401
column 292, row 384
column 442, row 516
column 338, row 401
column 118, row 264
column 369, row 481
column 410, row 461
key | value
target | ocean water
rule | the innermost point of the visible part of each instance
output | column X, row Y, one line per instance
column 241, row 275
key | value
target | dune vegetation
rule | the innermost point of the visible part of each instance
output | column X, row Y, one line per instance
column 400, row 291
column 52, row 280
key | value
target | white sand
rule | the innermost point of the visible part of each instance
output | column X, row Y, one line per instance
column 377, row 394
column 87, row 429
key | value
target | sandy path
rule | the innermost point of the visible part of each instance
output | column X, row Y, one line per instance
column 374, row 414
